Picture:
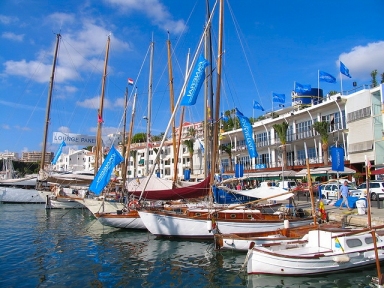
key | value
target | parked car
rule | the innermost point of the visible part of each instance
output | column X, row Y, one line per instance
column 331, row 190
column 376, row 189
column 287, row 184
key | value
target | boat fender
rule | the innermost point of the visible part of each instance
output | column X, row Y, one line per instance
column 341, row 258
column 286, row 224
column 134, row 204
column 209, row 225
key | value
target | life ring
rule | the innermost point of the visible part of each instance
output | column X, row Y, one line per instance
column 134, row 204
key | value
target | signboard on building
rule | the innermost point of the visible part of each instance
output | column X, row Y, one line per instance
column 73, row 139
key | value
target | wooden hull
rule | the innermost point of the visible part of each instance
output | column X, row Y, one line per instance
column 197, row 223
column 127, row 220
column 242, row 241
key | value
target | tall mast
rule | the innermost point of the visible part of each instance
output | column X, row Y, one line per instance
column 172, row 103
column 149, row 116
column 124, row 165
column 48, row 108
column 99, row 142
column 217, row 95
column 208, row 93
column 128, row 151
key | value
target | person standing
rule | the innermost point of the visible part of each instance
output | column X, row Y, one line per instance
column 344, row 193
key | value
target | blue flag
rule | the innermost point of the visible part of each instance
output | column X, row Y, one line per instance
column 337, row 154
column 103, row 176
column 58, row 153
column 247, row 132
column 299, row 88
column 256, row 105
column 225, row 118
column 344, row 70
column 201, row 146
column 195, row 81
column 280, row 98
column 326, row 77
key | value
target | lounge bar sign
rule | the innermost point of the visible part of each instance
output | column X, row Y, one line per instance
column 73, row 139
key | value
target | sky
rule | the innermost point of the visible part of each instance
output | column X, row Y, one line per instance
column 267, row 47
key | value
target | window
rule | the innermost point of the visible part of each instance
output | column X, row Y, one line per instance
column 354, row 242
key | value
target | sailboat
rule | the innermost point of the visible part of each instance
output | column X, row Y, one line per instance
column 17, row 190
column 202, row 223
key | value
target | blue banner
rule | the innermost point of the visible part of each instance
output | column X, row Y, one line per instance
column 58, row 153
column 344, row 70
column 247, row 131
column 280, row 98
column 299, row 88
column 103, row 176
column 195, row 81
column 239, row 170
column 326, row 77
column 337, row 154
column 256, row 105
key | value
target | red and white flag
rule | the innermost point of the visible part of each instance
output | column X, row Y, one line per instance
column 130, row 81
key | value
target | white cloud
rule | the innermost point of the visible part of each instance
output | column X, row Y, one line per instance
column 362, row 60
column 4, row 19
column 64, row 129
column 6, row 126
column 93, row 103
column 13, row 36
column 22, row 128
column 83, row 46
column 155, row 11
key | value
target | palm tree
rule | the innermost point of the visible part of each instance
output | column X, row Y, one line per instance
column 190, row 143
column 228, row 149
column 322, row 128
column 281, row 130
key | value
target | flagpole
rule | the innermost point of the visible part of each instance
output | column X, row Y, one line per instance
column 253, row 111
column 341, row 83
column 318, row 86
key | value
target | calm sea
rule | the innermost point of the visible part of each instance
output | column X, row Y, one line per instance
column 69, row 248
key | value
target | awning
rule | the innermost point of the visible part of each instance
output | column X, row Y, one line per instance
column 378, row 171
column 325, row 171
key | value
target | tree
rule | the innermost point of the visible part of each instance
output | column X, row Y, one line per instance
column 281, row 130
column 89, row 148
column 373, row 75
column 139, row 138
column 322, row 128
column 227, row 148
column 332, row 92
column 190, row 143
column 382, row 78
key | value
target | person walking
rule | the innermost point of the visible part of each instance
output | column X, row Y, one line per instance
column 344, row 193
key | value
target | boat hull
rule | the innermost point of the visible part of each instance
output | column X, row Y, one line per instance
column 128, row 220
column 19, row 195
column 184, row 226
column 308, row 259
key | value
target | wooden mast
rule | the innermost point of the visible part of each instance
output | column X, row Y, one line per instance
column 48, row 108
column 172, row 103
column 217, row 95
column 124, row 165
column 99, row 142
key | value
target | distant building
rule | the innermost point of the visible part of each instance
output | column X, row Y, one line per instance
column 8, row 154
column 36, row 157
column 75, row 160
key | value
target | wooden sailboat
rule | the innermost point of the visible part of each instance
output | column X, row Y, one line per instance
column 69, row 200
column 202, row 222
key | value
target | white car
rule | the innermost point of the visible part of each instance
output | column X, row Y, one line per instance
column 376, row 188
column 287, row 184
column 332, row 190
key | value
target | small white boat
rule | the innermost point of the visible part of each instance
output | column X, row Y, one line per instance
column 320, row 252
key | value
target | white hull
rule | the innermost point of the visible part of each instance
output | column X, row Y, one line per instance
column 243, row 245
column 328, row 256
column 122, row 222
column 184, row 227
column 19, row 195
column 63, row 203
column 99, row 206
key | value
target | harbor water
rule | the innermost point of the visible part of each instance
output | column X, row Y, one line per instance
column 70, row 248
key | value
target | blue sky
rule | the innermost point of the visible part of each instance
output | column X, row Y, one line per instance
column 268, row 45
